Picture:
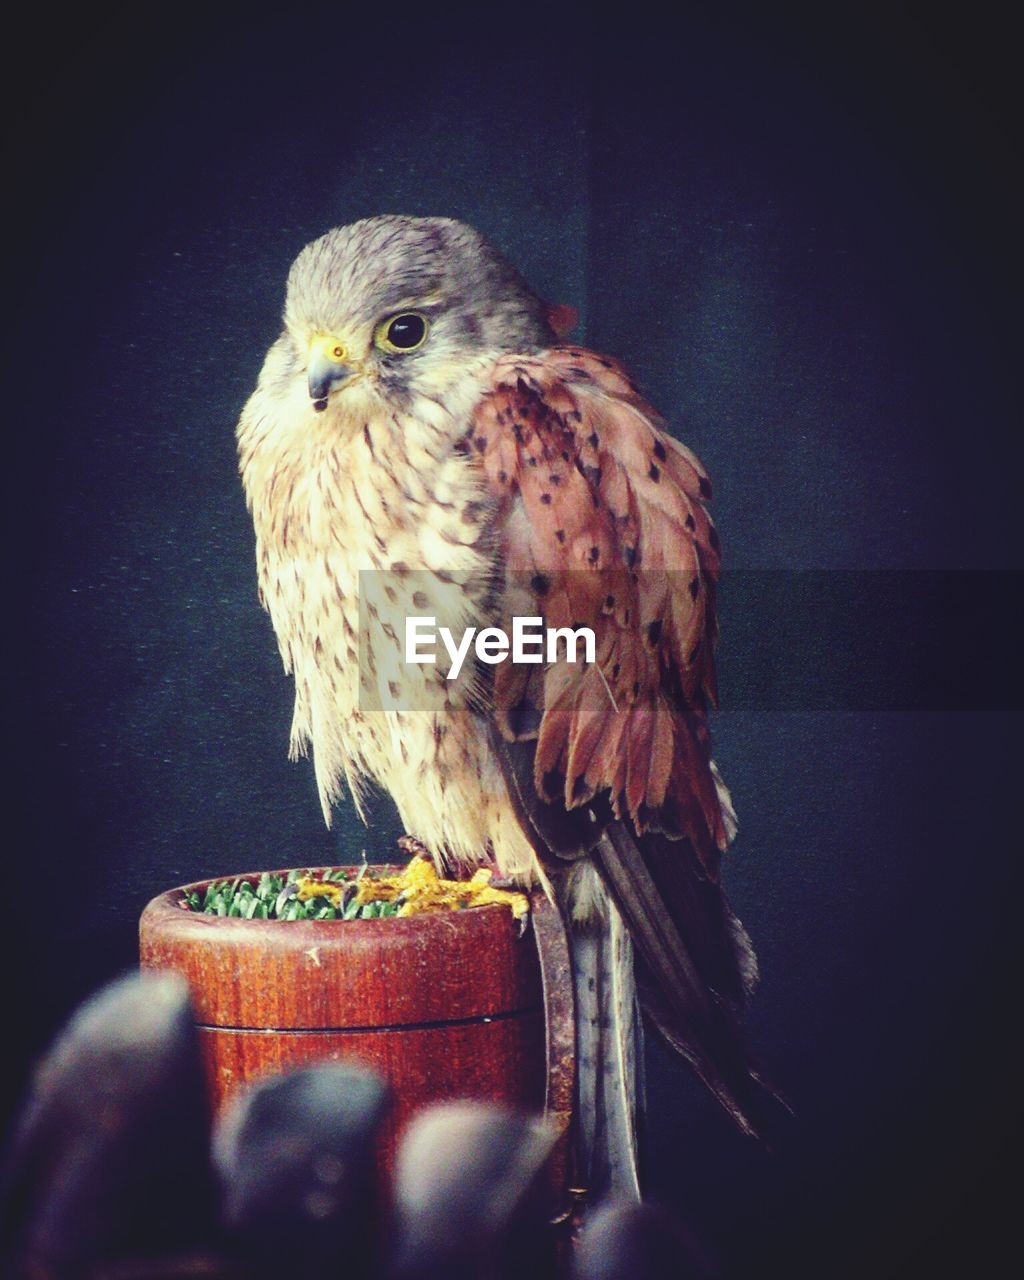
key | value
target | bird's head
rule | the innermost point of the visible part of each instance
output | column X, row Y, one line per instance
column 402, row 308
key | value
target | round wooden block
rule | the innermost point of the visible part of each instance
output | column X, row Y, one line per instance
column 443, row 1005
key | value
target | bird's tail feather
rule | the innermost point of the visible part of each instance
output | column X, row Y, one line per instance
column 608, row 1053
column 676, row 986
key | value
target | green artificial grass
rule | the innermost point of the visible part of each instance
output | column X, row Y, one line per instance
column 272, row 897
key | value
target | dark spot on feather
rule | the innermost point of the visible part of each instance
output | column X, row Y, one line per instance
column 503, row 477
column 578, row 372
column 690, row 522
column 660, row 451
column 546, row 499
column 524, row 718
column 694, row 654
column 713, row 538
column 615, row 670
column 670, row 821
column 629, row 555
column 565, row 455
column 654, row 632
column 594, row 555
column 553, row 782
column 609, row 602
column 636, row 687
column 555, row 478
column 560, row 535
column 646, row 816
column 694, row 588
column 532, row 460
column 442, row 575
column 367, row 437
column 481, row 443
column 705, row 487
column 420, row 600
column 393, row 688
column 655, row 472
column 539, row 582
column 472, row 512
column 391, row 593
column 593, row 474
column 593, row 440
column 606, row 364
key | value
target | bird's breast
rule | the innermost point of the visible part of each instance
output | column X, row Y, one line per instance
column 355, row 536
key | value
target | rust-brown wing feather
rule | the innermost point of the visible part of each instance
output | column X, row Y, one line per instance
column 604, row 526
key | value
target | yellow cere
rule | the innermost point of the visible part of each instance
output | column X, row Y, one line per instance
column 328, row 347
column 420, row 888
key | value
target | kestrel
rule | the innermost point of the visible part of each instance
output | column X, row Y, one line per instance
column 422, row 442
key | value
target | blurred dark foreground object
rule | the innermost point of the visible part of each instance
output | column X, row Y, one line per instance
column 109, row 1174
column 641, row 1241
column 471, row 1197
column 110, row 1158
column 298, row 1178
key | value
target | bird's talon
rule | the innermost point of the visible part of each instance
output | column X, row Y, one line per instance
column 413, row 846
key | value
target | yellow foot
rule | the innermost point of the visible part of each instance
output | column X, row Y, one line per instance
column 419, row 888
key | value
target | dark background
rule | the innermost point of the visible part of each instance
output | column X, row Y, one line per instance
column 798, row 230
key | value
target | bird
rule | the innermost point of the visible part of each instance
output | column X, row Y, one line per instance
column 424, row 440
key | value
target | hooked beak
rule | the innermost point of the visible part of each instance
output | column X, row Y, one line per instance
column 326, row 369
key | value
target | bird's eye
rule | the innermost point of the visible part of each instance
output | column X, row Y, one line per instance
column 404, row 332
